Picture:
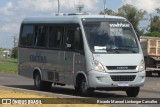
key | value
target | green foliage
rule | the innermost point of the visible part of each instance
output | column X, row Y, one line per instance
column 132, row 14
column 155, row 24
column 153, row 34
column 15, row 53
column 8, row 65
column 141, row 32
column 108, row 12
column 158, row 10
column 8, row 60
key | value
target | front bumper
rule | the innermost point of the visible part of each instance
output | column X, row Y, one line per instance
column 103, row 80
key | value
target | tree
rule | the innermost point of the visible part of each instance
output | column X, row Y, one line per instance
column 154, row 27
column 158, row 10
column 132, row 14
column 15, row 52
column 108, row 12
column 155, row 24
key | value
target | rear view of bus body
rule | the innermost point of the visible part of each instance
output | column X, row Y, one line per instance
column 91, row 52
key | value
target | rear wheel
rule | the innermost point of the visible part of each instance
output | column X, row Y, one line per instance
column 41, row 85
column 132, row 91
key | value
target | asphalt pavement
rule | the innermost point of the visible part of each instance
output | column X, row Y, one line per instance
column 151, row 89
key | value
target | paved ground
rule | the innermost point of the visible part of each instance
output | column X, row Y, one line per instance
column 151, row 89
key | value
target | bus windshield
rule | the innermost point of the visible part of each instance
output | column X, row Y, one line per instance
column 110, row 37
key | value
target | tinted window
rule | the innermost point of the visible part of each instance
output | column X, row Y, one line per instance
column 27, row 35
column 70, row 39
column 74, row 38
column 55, row 38
column 41, row 34
column 78, row 42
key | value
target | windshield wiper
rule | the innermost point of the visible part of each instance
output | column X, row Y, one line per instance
column 128, row 50
column 114, row 50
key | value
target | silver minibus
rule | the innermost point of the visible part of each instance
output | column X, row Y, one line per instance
column 90, row 52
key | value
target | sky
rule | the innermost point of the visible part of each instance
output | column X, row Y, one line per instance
column 12, row 12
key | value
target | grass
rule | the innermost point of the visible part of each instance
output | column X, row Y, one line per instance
column 8, row 65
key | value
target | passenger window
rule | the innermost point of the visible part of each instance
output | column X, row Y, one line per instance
column 74, row 39
column 70, row 39
column 41, row 34
column 55, row 38
column 27, row 35
column 78, row 42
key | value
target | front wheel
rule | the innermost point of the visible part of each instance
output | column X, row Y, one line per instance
column 84, row 90
column 132, row 91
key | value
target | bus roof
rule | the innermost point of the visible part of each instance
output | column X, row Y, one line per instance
column 68, row 19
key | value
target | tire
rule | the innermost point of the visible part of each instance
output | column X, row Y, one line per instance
column 77, row 88
column 47, row 86
column 159, row 73
column 83, row 88
column 148, row 74
column 132, row 91
column 41, row 85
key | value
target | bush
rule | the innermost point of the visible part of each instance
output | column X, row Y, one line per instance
column 153, row 34
column 15, row 53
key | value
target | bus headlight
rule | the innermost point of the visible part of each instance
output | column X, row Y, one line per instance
column 98, row 66
column 141, row 66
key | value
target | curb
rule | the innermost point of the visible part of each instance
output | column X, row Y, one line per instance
column 40, row 93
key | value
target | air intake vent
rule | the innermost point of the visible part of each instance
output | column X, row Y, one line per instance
column 121, row 67
column 123, row 77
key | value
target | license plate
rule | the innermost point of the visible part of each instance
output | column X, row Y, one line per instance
column 123, row 84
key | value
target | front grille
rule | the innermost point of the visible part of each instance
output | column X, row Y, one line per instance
column 121, row 67
column 123, row 77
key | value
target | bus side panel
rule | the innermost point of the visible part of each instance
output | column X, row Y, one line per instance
column 49, row 62
column 79, row 64
column 25, row 66
column 69, row 67
column 53, row 69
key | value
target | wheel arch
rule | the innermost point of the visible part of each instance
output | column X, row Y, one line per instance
column 79, row 76
column 37, row 70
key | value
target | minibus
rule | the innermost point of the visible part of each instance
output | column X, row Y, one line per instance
column 89, row 52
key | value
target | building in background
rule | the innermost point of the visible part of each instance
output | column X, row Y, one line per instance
column 6, row 53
